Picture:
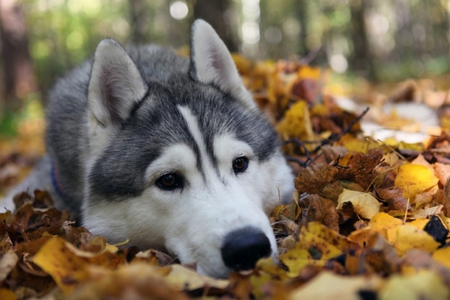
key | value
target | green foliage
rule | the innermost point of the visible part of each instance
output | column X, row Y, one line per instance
column 64, row 32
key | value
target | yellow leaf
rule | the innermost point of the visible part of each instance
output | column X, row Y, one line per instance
column 363, row 203
column 297, row 123
column 443, row 256
column 330, row 286
column 183, row 278
column 317, row 244
column 386, row 225
column 383, row 221
column 69, row 265
column 423, row 285
column 414, row 179
column 319, row 235
column 355, row 145
column 419, row 223
column 7, row 294
column 297, row 259
column 267, row 265
column 409, row 237
column 308, row 72
column 67, row 269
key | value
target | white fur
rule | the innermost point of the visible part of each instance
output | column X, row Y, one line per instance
column 213, row 63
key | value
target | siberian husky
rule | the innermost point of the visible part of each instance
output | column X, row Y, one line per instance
column 169, row 152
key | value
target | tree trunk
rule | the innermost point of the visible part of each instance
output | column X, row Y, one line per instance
column 301, row 14
column 19, row 78
column 362, row 58
column 139, row 23
column 212, row 11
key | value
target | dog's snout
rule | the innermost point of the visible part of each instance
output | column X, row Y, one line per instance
column 242, row 248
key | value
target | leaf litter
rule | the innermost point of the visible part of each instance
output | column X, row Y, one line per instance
column 370, row 218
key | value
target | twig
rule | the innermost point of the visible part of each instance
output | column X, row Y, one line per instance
column 302, row 145
column 344, row 132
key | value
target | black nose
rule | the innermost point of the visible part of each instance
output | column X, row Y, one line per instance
column 243, row 247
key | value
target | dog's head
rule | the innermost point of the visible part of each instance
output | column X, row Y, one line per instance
column 182, row 160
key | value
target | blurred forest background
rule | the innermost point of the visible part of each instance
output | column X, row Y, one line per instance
column 382, row 40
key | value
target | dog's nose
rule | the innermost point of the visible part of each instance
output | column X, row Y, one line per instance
column 243, row 247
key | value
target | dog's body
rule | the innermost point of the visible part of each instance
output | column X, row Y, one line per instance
column 167, row 152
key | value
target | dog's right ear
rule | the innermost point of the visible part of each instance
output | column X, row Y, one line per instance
column 115, row 86
column 211, row 63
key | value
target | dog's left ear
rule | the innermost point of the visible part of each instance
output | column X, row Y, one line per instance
column 211, row 62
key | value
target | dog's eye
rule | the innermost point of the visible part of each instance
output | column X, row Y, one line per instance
column 240, row 164
column 169, row 182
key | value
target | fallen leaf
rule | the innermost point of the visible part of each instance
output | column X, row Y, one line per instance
column 67, row 269
column 321, row 210
column 443, row 256
column 184, row 279
column 442, row 172
column 8, row 262
column 423, row 285
column 363, row 203
column 327, row 285
column 7, row 294
column 413, row 179
column 123, row 284
column 409, row 237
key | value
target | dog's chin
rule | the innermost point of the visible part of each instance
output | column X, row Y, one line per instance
column 217, row 272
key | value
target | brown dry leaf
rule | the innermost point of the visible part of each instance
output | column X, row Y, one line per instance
column 314, row 178
column 359, row 168
column 394, row 197
column 322, row 210
column 420, row 160
column 442, row 172
column 333, row 190
column 291, row 211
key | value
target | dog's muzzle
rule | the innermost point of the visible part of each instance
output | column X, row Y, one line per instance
column 242, row 248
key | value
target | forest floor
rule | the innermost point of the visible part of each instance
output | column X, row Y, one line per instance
column 370, row 218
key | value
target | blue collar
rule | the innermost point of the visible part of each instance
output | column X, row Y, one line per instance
column 66, row 199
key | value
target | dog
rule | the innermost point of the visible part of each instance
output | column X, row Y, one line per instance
column 169, row 152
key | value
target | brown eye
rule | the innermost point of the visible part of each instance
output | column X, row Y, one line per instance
column 240, row 164
column 169, row 182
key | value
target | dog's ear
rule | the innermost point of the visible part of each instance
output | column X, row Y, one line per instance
column 211, row 62
column 115, row 85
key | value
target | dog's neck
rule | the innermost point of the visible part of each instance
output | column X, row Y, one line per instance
column 66, row 199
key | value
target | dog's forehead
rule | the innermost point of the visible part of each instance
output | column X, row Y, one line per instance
column 216, row 113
